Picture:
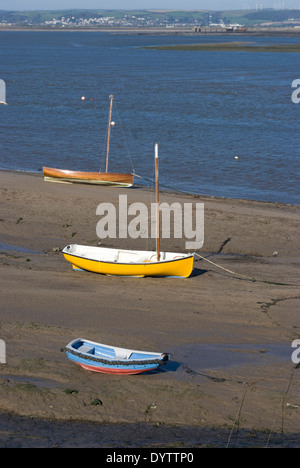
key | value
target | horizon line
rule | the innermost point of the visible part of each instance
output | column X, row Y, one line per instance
column 142, row 9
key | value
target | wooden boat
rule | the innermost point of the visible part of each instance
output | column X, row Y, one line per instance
column 106, row 359
column 120, row 262
column 97, row 178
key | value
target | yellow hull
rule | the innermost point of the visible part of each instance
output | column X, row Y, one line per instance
column 181, row 267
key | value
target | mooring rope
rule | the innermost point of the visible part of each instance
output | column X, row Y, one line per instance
column 226, row 269
column 250, row 278
column 163, row 185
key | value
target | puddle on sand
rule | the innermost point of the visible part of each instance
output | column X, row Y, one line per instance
column 27, row 380
column 5, row 247
column 201, row 357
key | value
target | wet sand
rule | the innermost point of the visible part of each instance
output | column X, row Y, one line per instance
column 229, row 330
column 231, row 47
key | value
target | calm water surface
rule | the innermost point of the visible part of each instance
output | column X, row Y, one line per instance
column 225, row 122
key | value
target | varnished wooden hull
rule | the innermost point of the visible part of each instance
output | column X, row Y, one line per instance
column 81, row 177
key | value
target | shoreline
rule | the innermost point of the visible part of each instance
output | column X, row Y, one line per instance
column 168, row 190
column 229, row 336
column 268, row 32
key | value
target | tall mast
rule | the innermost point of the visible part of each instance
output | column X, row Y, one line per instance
column 157, row 204
column 108, row 133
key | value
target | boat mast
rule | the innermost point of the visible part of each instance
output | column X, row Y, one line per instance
column 111, row 97
column 157, row 204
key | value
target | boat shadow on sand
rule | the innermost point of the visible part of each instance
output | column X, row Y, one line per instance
column 183, row 370
column 170, row 366
column 197, row 272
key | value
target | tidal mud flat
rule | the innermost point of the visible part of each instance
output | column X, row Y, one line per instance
column 24, row 432
column 229, row 330
column 238, row 46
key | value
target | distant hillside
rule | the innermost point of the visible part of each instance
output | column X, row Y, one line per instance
column 145, row 18
column 255, row 18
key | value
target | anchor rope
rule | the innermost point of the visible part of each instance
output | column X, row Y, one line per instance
column 226, row 269
column 163, row 185
column 244, row 276
column 250, row 278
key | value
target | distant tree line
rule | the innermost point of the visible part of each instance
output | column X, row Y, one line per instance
column 202, row 18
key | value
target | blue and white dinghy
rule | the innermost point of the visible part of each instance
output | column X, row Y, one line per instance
column 99, row 357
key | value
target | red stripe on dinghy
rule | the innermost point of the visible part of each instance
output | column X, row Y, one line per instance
column 107, row 370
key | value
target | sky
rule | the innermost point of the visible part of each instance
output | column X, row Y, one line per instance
column 146, row 4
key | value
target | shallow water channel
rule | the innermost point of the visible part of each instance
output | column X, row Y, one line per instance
column 205, row 356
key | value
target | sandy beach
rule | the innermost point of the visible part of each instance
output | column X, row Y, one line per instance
column 228, row 328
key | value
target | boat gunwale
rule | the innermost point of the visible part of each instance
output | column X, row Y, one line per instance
column 131, row 263
column 122, row 362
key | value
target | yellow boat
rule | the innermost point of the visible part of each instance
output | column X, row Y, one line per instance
column 109, row 261
column 131, row 262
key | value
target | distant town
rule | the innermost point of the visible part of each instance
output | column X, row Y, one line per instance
column 167, row 19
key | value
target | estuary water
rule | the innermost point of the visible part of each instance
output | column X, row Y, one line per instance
column 225, row 121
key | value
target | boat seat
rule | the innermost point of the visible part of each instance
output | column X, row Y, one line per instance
column 87, row 349
column 127, row 257
column 122, row 355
